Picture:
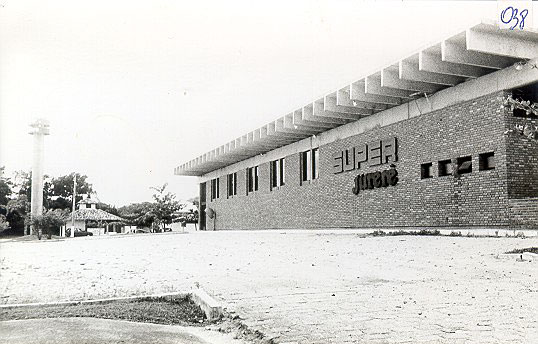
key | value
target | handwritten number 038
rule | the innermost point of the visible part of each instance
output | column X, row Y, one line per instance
column 513, row 15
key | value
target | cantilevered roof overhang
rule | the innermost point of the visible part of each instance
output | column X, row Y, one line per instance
column 479, row 50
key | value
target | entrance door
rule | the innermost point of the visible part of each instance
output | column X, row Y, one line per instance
column 201, row 215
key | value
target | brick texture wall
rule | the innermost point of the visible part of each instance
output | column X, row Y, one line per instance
column 480, row 198
column 522, row 174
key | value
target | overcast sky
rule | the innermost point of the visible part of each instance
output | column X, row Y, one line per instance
column 133, row 89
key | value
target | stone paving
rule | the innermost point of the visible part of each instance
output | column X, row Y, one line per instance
column 302, row 286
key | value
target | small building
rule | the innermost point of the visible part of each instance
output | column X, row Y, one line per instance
column 189, row 211
column 427, row 141
column 97, row 221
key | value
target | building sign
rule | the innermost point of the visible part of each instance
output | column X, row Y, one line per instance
column 374, row 153
column 373, row 180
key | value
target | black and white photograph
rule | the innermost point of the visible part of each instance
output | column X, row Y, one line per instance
column 269, row 172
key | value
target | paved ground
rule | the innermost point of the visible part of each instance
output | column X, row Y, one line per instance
column 303, row 286
column 102, row 331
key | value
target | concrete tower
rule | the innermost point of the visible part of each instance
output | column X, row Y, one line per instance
column 40, row 128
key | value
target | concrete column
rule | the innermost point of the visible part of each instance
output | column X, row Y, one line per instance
column 40, row 128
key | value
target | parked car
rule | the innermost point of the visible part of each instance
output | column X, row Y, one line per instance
column 141, row 230
column 78, row 232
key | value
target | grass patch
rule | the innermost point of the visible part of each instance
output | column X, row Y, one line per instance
column 164, row 310
column 425, row 232
column 523, row 250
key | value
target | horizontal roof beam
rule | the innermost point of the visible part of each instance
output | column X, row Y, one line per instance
column 431, row 62
column 358, row 93
column 389, row 78
column 344, row 104
column 372, row 85
column 512, row 43
column 456, row 53
column 343, row 98
column 315, row 122
column 410, row 71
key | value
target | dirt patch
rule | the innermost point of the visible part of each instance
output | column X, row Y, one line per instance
column 174, row 310
column 523, row 250
column 233, row 324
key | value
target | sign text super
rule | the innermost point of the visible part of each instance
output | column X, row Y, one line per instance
column 374, row 153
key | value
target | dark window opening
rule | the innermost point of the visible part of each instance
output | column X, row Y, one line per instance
column 252, row 179
column 426, row 170
column 232, row 184
column 306, row 166
column 214, row 188
column 445, row 168
column 486, row 161
column 256, row 177
column 465, row 164
column 309, row 165
column 315, row 163
column 277, row 171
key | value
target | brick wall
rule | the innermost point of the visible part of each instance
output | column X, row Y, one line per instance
column 479, row 198
column 522, row 174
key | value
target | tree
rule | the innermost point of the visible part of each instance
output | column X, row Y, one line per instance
column 5, row 188
column 108, row 208
column 16, row 211
column 22, row 183
column 57, row 192
column 139, row 214
column 3, row 223
column 164, row 207
column 48, row 223
column 61, row 190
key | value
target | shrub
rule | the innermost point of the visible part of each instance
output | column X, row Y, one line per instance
column 48, row 222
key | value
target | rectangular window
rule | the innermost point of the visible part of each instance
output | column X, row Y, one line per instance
column 465, row 164
column 252, row 179
column 426, row 170
column 282, row 166
column 256, row 178
column 306, row 166
column 249, row 178
column 309, row 165
column 486, row 161
column 315, row 163
column 214, row 188
column 272, row 174
column 232, row 184
column 277, row 171
column 445, row 168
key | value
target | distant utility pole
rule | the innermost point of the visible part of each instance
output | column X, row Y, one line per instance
column 74, row 203
column 40, row 128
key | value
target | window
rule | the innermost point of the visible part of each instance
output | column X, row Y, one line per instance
column 465, row 165
column 306, row 166
column 214, row 188
column 232, row 184
column 252, row 179
column 315, row 163
column 486, row 161
column 426, row 170
column 445, row 168
column 277, row 172
column 309, row 165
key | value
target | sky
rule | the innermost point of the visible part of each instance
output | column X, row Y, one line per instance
column 133, row 89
